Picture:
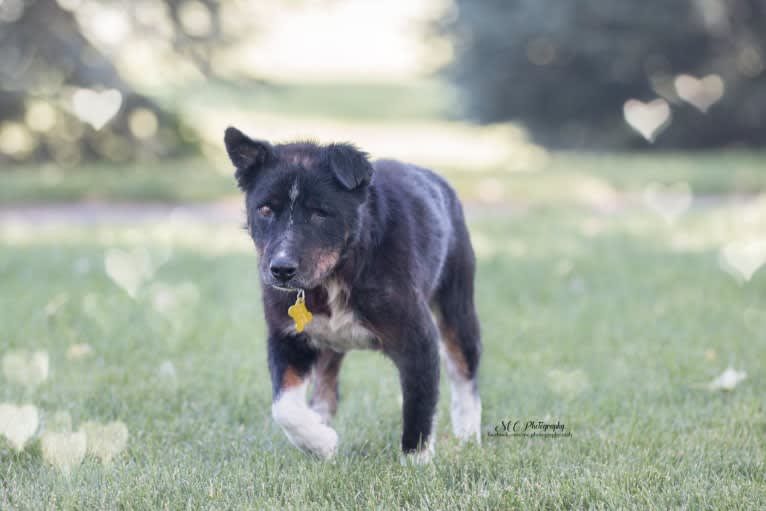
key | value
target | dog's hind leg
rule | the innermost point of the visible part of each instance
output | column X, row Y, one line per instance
column 417, row 359
column 461, row 338
column 324, row 397
column 410, row 338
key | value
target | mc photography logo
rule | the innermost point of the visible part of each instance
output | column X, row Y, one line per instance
column 530, row 429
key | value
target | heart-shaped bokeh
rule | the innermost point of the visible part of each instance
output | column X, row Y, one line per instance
column 105, row 441
column 743, row 258
column 648, row 119
column 700, row 93
column 130, row 269
column 96, row 108
column 668, row 201
column 63, row 450
column 18, row 423
column 26, row 368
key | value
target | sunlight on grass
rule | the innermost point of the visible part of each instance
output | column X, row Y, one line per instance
column 584, row 180
column 435, row 144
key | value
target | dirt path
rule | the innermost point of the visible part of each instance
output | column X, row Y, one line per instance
column 229, row 212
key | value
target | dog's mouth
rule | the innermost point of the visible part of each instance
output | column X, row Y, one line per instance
column 289, row 286
column 284, row 289
column 295, row 285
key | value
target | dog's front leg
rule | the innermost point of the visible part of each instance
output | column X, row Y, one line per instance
column 290, row 361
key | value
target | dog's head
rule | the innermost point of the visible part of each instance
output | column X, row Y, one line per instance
column 303, row 205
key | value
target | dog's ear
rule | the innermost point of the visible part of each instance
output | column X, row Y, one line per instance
column 350, row 165
column 248, row 156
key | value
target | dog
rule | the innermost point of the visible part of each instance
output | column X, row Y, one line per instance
column 360, row 254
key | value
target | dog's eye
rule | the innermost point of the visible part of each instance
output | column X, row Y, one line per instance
column 265, row 211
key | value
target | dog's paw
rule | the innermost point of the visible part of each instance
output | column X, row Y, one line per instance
column 304, row 428
column 423, row 456
column 324, row 444
column 321, row 441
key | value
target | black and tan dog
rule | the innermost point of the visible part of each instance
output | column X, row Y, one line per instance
column 382, row 255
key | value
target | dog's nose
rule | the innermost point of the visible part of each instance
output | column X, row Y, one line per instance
column 283, row 268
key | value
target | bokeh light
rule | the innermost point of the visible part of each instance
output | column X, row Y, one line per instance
column 195, row 18
column 16, row 140
column 40, row 116
column 143, row 123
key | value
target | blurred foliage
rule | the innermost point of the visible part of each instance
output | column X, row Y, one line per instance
column 62, row 96
column 376, row 101
column 568, row 70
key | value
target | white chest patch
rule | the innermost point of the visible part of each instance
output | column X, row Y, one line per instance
column 340, row 331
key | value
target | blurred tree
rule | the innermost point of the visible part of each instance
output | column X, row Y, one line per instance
column 63, row 99
column 569, row 70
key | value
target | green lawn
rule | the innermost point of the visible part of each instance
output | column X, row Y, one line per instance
column 612, row 325
column 564, row 178
column 174, row 181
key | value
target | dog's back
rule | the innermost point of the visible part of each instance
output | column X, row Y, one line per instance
column 420, row 219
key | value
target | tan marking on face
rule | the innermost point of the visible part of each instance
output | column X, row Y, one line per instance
column 326, row 261
column 291, row 378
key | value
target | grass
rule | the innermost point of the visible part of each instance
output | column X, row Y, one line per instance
column 612, row 324
column 565, row 178
column 176, row 181
column 603, row 323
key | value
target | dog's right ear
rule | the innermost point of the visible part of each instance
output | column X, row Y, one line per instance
column 248, row 156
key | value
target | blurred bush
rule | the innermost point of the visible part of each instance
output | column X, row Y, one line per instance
column 62, row 96
column 573, row 72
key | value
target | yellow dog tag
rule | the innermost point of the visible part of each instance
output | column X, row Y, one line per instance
column 300, row 314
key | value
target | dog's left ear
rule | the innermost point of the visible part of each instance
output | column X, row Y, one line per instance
column 248, row 155
column 351, row 166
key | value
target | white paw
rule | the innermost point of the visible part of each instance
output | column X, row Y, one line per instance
column 322, row 442
column 303, row 426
